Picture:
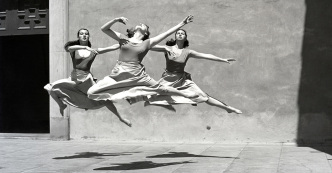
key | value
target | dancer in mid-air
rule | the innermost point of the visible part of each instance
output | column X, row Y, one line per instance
column 177, row 55
column 73, row 90
column 129, row 71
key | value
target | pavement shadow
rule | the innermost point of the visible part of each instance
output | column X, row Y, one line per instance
column 315, row 90
column 95, row 155
column 184, row 154
column 140, row 165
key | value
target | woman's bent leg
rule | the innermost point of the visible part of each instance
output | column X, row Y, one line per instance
column 62, row 106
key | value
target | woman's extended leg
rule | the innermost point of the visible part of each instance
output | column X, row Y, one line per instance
column 101, row 85
column 113, row 109
column 168, row 90
column 214, row 102
column 162, row 90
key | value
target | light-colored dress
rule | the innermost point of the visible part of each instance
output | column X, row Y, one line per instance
column 73, row 90
column 127, row 73
column 176, row 77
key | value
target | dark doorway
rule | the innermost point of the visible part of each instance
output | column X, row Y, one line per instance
column 24, row 70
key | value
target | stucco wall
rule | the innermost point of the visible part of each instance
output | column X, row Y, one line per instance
column 264, row 36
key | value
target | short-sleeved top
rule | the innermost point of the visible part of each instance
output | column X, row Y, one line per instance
column 132, row 52
column 82, row 59
column 177, row 63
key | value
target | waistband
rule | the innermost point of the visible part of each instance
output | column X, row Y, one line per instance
column 80, row 71
column 168, row 71
column 129, row 62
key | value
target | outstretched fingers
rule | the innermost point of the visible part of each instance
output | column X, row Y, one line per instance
column 188, row 19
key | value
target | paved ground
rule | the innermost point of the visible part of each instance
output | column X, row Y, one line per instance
column 34, row 156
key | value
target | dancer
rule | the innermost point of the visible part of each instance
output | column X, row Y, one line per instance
column 73, row 90
column 177, row 55
column 129, row 72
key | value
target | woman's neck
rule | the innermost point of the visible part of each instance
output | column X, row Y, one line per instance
column 84, row 43
column 137, row 38
column 179, row 44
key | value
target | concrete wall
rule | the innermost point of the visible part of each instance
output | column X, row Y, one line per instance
column 59, row 64
column 265, row 36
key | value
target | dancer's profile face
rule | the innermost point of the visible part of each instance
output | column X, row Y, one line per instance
column 83, row 35
column 142, row 27
column 180, row 35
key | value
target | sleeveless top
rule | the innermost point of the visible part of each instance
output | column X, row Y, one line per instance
column 132, row 52
column 177, row 63
column 81, row 61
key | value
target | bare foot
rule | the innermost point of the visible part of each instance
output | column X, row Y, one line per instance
column 231, row 109
column 126, row 121
column 62, row 109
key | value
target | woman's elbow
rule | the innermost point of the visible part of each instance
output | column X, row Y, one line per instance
column 103, row 29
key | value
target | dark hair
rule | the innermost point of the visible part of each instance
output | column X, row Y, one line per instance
column 76, row 42
column 172, row 42
column 131, row 32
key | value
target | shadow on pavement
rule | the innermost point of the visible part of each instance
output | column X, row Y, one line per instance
column 140, row 165
column 184, row 154
column 94, row 155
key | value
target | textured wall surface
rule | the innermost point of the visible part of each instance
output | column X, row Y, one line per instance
column 264, row 36
column 59, row 64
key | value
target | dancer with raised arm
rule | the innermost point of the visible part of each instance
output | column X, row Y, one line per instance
column 177, row 55
column 73, row 90
column 129, row 71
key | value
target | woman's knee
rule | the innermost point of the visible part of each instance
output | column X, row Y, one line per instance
column 92, row 90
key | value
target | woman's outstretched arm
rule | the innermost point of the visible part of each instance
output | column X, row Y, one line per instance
column 108, row 49
column 158, row 48
column 106, row 28
column 79, row 47
column 199, row 55
column 165, row 49
column 157, row 39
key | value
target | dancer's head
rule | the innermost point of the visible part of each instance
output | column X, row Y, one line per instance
column 142, row 28
column 83, row 35
column 180, row 35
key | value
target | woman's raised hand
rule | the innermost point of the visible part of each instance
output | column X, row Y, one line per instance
column 122, row 20
column 188, row 19
column 230, row 60
column 92, row 50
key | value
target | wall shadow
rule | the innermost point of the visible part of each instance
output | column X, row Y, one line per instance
column 140, row 165
column 315, row 91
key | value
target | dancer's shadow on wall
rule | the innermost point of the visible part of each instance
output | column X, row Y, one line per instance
column 95, row 155
column 140, row 165
column 315, row 92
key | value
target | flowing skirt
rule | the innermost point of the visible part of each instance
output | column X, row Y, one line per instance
column 124, row 76
column 182, row 82
column 73, row 90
